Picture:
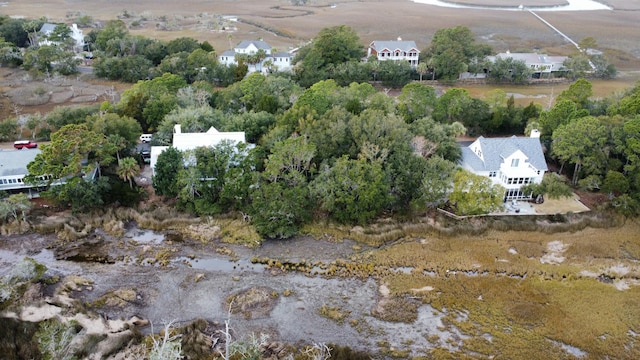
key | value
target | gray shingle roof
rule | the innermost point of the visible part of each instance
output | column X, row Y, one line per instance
column 47, row 28
column 14, row 162
column 257, row 43
column 494, row 150
column 282, row 54
column 402, row 45
column 530, row 58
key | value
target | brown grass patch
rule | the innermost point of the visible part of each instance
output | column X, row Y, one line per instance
column 335, row 313
column 397, row 309
column 488, row 290
column 254, row 302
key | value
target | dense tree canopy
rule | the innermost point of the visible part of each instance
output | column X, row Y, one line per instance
column 324, row 139
column 451, row 51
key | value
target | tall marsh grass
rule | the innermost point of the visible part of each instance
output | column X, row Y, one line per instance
column 387, row 231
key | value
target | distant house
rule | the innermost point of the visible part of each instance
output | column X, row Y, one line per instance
column 397, row 50
column 541, row 65
column 190, row 141
column 13, row 170
column 279, row 61
column 76, row 34
column 511, row 162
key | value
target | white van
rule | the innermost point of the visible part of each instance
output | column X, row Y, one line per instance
column 145, row 138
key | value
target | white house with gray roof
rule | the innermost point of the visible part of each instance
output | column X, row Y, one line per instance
column 511, row 162
column 74, row 32
column 279, row 61
column 540, row 64
column 13, row 168
column 189, row 141
column 397, row 50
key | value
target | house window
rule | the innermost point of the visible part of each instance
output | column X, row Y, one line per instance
column 515, row 162
column 492, row 174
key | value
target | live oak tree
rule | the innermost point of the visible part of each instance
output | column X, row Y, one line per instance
column 166, row 171
column 280, row 201
column 561, row 113
column 416, row 101
column 629, row 145
column 581, row 142
column 508, row 70
column 115, row 30
column 129, row 69
column 579, row 93
column 352, row 190
column 332, row 46
column 394, row 74
column 113, row 124
column 329, row 133
column 474, row 194
column 629, row 105
column 603, row 68
column 74, row 151
column 552, row 186
column 150, row 100
column 436, row 183
column 451, row 51
column 435, row 139
column 577, row 65
column 615, row 183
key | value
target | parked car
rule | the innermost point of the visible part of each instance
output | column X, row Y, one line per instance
column 145, row 138
column 21, row 144
column 146, row 156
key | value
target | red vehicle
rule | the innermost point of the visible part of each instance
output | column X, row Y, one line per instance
column 21, row 144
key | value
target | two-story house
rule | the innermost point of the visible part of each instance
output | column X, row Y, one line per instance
column 278, row 61
column 74, row 33
column 189, row 141
column 397, row 50
column 510, row 162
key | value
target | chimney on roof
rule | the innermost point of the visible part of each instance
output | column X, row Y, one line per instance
column 177, row 129
column 399, row 38
column 535, row 133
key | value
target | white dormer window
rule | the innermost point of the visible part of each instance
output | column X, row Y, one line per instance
column 515, row 162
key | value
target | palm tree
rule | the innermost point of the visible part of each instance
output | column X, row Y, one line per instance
column 422, row 69
column 127, row 169
column 119, row 142
column 432, row 64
